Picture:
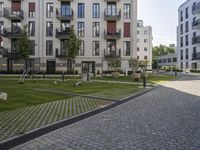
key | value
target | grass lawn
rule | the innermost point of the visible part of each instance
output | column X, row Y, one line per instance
column 22, row 95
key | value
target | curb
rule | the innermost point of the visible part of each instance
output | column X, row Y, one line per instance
column 16, row 141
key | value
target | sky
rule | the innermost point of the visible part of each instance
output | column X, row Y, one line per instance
column 162, row 15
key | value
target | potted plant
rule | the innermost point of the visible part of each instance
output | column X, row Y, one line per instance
column 115, row 64
column 134, row 65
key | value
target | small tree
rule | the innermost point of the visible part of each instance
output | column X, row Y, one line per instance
column 72, row 47
column 143, row 64
column 114, row 63
column 134, row 64
column 24, row 45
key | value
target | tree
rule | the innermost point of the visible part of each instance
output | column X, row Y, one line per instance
column 159, row 51
column 72, row 47
column 134, row 64
column 114, row 63
column 24, row 45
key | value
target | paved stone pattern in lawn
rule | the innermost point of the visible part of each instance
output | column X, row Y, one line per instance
column 165, row 118
column 16, row 122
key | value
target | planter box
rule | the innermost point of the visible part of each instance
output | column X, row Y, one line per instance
column 136, row 76
column 115, row 75
column 3, row 96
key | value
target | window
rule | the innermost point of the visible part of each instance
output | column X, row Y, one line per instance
column 127, row 48
column 81, row 10
column 181, row 16
column 1, row 9
column 32, row 52
column 186, row 65
column 138, row 49
column 95, row 29
column 145, row 57
column 186, row 27
column 169, row 60
column 81, row 51
column 96, row 10
column 181, row 29
column 186, row 54
column 145, row 49
column 81, row 29
column 49, row 10
column 138, row 57
column 127, row 29
column 49, row 29
column 138, row 40
column 181, row 54
column 111, row 9
column 186, row 40
column 95, row 48
column 145, row 32
column 181, row 65
column 181, row 42
column 66, row 9
column 145, row 40
column 186, row 13
column 49, row 48
column 174, row 59
column 31, row 13
column 31, row 28
column 127, row 11
column 138, row 32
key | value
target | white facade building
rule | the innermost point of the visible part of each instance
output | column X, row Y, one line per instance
column 188, row 42
column 144, row 43
column 107, row 28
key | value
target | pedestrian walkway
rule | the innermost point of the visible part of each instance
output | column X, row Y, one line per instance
column 165, row 118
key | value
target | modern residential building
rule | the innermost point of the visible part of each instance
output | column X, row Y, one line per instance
column 168, row 60
column 107, row 28
column 144, row 43
column 188, row 42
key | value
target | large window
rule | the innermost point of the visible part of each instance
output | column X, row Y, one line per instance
column 49, row 29
column 49, row 48
column 96, row 10
column 1, row 27
column 127, row 48
column 82, row 47
column 31, row 28
column 81, row 29
column 95, row 48
column 127, row 11
column 181, row 54
column 31, row 10
column 81, row 10
column 66, row 9
column 1, row 9
column 49, row 10
column 186, row 54
column 96, row 29
column 32, row 52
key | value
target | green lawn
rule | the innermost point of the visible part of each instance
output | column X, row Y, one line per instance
column 22, row 95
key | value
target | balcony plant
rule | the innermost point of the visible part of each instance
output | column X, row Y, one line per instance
column 114, row 65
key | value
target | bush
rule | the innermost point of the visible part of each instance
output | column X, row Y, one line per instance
column 195, row 71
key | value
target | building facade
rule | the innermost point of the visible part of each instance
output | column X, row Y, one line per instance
column 188, row 35
column 168, row 60
column 107, row 28
column 144, row 43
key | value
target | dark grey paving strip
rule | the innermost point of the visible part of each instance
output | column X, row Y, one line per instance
column 11, row 143
column 75, row 94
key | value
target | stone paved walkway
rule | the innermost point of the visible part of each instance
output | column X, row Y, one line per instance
column 165, row 118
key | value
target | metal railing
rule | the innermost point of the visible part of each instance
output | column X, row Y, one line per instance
column 112, row 35
column 10, row 14
column 64, row 15
column 196, row 56
column 112, row 53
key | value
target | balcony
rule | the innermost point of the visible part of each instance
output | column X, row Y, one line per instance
column 60, row 53
column 13, row 53
column 196, row 24
column 196, row 40
column 13, row 15
column 112, row 14
column 68, row 15
column 196, row 56
column 62, row 33
column 111, row 35
column 196, row 8
column 12, row 33
column 112, row 53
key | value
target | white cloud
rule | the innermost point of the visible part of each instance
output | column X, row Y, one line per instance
column 162, row 39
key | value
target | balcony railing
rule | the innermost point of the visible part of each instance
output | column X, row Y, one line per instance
column 62, row 33
column 111, row 0
column 112, row 14
column 196, row 24
column 196, row 56
column 12, row 53
column 112, row 53
column 60, row 53
column 67, row 15
column 196, row 40
column 112, row 35
column 196, row 8
column 12, row 33
column 10, row 14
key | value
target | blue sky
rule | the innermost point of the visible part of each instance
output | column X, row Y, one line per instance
column 162, row 15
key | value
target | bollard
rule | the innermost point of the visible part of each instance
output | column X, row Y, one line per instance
column 175, row 73
column 88, row 76
column 144, row 81
column 43, row 75
column 63, row 76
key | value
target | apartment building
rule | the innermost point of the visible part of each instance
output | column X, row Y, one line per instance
column 144, row 43
column 188, row 35
column 107, row 28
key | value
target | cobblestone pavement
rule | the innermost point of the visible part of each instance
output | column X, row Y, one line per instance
column 165, row 118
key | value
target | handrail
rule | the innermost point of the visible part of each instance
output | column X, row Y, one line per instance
column 22, row 77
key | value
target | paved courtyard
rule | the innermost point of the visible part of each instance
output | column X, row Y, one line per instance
column 165, row 118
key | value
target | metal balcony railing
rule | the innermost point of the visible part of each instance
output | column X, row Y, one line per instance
column 196, row 40
column 196, row 8
column 196, row 24
column 196, row 56
column 10, row 14
column 112, row 53
column 112, row 14
column 12, row 33
column 62, row 33
column 65, row 15
column 112, row 35
column 61, row 53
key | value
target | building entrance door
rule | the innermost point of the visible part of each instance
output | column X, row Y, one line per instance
column 88, row 67
column 51, row 67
